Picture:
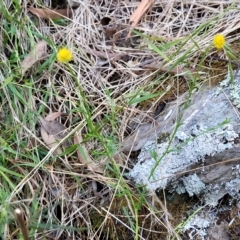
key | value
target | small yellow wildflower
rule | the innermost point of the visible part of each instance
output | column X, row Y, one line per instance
column 219, row 41
column 64, row 55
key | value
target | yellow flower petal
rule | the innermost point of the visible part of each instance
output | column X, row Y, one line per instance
column 219, row 41
column 64, row 55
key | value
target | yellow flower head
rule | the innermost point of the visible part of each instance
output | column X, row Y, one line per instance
column 64, row 55
column 219, row 41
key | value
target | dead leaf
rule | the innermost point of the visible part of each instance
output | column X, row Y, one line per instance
column 139, row 12
column 84, row 157
column 47, row 13
column 52, row 130
column 50, row 141
column 52, row 116
column 36, row 54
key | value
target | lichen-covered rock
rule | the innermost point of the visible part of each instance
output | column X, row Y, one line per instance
column 203, row 140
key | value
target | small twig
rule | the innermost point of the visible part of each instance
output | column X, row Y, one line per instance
column 107, row 55
column 142, row 8
column 224, row 60
column 21, row 222
column 149, row 61
column 175, row 70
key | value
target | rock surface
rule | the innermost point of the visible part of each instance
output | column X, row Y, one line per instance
column 201, row 154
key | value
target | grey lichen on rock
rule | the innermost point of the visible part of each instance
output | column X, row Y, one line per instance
column 180, row 155
column 206, row 137
column 198, row 226
column 193, row 184
column 233, row 90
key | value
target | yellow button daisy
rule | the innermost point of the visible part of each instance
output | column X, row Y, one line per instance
column 219, row 41
column 64, row 55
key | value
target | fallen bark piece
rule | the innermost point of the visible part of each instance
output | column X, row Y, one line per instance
column 203, row 156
